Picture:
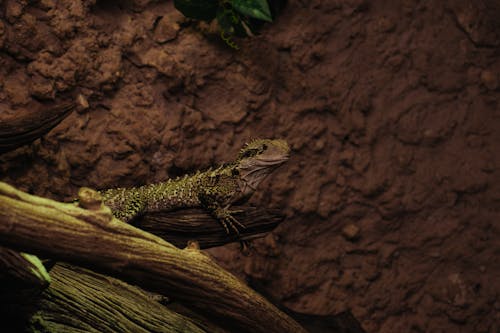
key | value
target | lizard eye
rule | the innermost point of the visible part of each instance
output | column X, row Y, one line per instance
column 247, row 153
column 235, row 172
column 264, row 146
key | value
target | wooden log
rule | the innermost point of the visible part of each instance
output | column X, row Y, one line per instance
column 184, row 225
column 30, row 123
column 79, row 300
column 93, row 238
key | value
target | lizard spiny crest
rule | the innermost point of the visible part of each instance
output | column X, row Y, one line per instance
column 214, row 189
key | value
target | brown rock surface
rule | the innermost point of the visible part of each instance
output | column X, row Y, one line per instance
column 392, row 110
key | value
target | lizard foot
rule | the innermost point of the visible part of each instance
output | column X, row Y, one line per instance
column 226, row 218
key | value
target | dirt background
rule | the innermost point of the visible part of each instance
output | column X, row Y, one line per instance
column 392, row 195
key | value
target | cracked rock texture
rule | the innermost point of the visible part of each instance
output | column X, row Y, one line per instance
column 392, row 195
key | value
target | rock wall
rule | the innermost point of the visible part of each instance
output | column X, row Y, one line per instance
column 392, row 109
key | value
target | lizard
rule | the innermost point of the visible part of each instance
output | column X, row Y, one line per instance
column 215, row 189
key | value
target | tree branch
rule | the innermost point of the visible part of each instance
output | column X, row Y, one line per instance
column 181, row 226
column 29, row 124
column 101, row 303
column 93, row 238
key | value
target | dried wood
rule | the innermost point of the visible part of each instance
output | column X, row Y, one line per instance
column 79, row 300
column 181, row 226
column 30, row 123
column 91, row 237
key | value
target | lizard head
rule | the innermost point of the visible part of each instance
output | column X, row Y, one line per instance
column 259, row 158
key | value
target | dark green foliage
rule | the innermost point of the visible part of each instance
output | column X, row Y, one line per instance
column 197, row 9
column 258, row 9
column 230, row 23
column 235, row 17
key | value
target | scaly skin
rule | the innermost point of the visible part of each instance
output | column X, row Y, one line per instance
column 215, row 189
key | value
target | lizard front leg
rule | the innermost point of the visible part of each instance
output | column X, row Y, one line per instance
column 221, row 212
column 225, row 216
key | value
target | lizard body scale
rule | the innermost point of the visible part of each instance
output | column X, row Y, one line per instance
column 214, row 189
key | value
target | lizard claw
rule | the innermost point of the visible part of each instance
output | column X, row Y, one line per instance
column 246, row 247
column 224, row 215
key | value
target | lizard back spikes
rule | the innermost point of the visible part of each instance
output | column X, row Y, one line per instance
column 215, row 189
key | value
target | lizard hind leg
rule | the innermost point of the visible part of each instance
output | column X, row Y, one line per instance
column 126, row 204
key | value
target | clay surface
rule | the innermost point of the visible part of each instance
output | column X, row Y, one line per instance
column 392, row 194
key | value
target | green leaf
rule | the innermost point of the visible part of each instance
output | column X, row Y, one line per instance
column 197, row 9
column 258, row 9
column 231, row 22
column 226, row 19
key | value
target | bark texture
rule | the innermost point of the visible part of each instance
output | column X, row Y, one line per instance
column 79, row 300
column 93, row 238
column 180, row 227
